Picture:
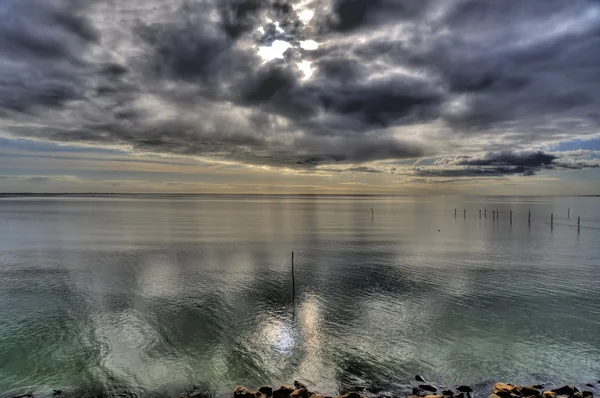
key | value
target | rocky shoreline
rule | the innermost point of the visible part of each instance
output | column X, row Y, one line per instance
column 423, row 390
column 417, row 388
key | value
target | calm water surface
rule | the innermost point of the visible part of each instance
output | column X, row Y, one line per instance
column 157, row 293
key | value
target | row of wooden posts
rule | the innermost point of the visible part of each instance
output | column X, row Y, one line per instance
column 496, row 214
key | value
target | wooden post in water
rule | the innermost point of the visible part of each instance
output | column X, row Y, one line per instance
column 493, row 215
column 551, row 220
column 293, row 281
column 511, row 216
column 529, row 218
column 479, row 213
column 454, row 213
column 465, row 214
column 569, row 213
column 578, row 223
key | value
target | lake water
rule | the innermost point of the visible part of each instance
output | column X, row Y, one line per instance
column 155, row 294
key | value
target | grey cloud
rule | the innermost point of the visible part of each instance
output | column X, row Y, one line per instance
column 392, row 80
column 473, row 172
column 497, row 164
column 503, row 158
column 349, row 15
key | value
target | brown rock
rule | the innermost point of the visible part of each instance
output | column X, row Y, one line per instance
column 538, row 387
column 433, row 396
column 548, row 394
column 493, row 396
column 283, row 392
column 503, row 386
column 566, row 390
column 504, row 390
column 351, row 395
column 464, row 389
column 299, row 385
column 300, row 393
column 243, row 392
column 587, row 394
column 529, row 391
column 267, row 390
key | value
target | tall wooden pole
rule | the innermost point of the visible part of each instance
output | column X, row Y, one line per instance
column 293, row 281
column 569, row 213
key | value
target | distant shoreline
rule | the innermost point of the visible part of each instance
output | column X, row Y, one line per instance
column 57, row 194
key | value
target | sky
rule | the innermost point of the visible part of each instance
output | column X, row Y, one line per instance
column 497, row 97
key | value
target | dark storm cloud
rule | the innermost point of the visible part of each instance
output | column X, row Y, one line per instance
column 497, row 164
column 354, row 14
column 392, row 79
column 504, row 158
column 474, row 172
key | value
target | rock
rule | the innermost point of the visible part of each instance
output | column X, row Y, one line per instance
column 529, row 392
column 548, row 394
column 504, row 390
column 299, row 385
column 267, row 390
column 587, row 394
column 589, row 385
column 448, row 393
column 566, row 390
column 419, row 378
column 461, row 395
column 493, row 396
column 464, row 389
column 56, row 392
column 433, row 396
column 243, row 392
column 300, row 393
column 283, row 392
column 538, row 386
column 427, row 387
column 351, row 395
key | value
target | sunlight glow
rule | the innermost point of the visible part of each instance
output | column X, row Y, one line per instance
column 304, row 66
column 309, row 45
column 306, row 15
column 274, row 51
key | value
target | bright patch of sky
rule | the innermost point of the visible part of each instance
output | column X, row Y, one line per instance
column 274, row 51
column 279, row 47
column 306, row 15
column 309, row 45
column 304, row 66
